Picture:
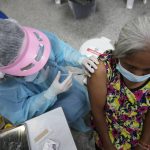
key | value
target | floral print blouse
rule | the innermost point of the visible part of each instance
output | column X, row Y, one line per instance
column 125, row 109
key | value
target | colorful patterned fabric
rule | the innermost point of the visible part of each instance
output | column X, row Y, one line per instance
column 5, row 124
column 125, row 109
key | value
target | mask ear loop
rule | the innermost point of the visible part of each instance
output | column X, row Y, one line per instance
column 2, row 75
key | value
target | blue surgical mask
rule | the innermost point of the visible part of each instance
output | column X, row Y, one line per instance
column 130, row 76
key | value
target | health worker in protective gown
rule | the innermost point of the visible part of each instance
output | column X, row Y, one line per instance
column 33, row 81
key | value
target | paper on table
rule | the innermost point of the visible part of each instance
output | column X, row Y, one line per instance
column 50, row 127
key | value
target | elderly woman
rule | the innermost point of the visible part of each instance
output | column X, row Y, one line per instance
column 35, row 79
column 120, row 91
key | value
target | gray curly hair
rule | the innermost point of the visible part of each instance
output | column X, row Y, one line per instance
column 134, row 37
column 11, row 39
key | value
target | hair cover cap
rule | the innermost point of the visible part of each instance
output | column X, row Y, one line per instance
column 33, row 55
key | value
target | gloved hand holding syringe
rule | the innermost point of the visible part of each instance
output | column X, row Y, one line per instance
column 57, row 87
column 74, row 74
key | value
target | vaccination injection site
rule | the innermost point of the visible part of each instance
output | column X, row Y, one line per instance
column 74, row 75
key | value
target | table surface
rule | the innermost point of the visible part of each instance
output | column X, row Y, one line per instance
column 39, row 132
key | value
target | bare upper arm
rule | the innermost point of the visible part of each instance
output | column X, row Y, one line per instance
column 96, row 85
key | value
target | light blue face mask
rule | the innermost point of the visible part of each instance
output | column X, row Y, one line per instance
column 130, row 76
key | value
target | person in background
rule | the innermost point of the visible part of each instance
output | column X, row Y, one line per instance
column 119, row 91
column 33, row 75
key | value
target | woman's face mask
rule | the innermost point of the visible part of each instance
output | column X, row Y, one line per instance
column 130, row 76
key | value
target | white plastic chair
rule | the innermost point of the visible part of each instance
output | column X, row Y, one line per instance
column 58, row 1
column 131, row 2
column 95, row 47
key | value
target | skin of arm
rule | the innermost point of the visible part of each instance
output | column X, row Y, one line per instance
column 145, row 137
column 146, row 129
column 97, row 88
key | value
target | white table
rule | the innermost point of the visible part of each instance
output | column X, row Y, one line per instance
column 51, row 126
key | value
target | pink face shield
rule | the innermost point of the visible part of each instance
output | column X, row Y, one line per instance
column 33, row 56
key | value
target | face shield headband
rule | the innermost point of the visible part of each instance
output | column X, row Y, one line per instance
column 33, row 55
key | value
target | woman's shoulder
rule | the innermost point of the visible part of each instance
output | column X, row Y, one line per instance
column 96, row 84
column 100, row 72
column 107, row 57
column 110, row 62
